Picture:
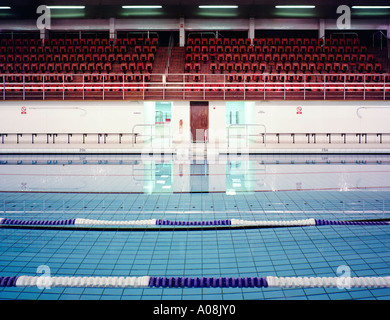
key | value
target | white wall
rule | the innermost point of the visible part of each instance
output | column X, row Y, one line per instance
column 217, row 122
column 121, row 116
column 181, row 111
column 70, row 116
column 323, row 116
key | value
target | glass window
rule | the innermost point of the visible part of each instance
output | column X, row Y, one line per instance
column 235, row 112
column 163, row 113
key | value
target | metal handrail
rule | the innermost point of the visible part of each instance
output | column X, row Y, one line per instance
column 184, row 75
column 344, row 34
column 381, row 35
column 319, row 82
column 169, row 54
column 201, row 33
column 246, row 126
column 151, row 135
column 208, row 75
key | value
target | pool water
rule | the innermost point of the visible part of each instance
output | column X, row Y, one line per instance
column 255, row 188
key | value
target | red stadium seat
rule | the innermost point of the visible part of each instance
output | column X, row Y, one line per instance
column 236, row 57
column 149, row 67
column 135, row 57
column 221, row 67
column 344, row 67
column 328, row 67
column 246, row 67
column 229, row 67
column 132, row 67
column 67, row 67
column 279, row 67
column 213, row 67
column 262, row 67
column 196, row 67
column 377, row 67
column 91, row 67
column 196, row 57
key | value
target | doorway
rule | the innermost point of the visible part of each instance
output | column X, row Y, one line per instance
column 199, row 120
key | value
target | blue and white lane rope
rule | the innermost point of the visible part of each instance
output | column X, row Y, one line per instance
column 162, row 222
column 201, row 282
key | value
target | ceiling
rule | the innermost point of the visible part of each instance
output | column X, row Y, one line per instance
column 103, row 9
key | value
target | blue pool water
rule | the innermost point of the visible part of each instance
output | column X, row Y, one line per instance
column 257, row 188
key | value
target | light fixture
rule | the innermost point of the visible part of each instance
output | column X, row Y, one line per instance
column 217, row 7
column 66, row 7
column 142, row 7
column 371, row 7
column 5, row 8
column 295, row 7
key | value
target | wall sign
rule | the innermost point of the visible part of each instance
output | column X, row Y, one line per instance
column 299, row 110
column 23, row 110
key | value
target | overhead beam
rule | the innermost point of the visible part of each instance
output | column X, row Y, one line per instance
column 190, row 24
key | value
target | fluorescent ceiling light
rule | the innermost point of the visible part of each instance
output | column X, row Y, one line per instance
column 141, row 7
column 218, row 7
column 5, row 8
column 295, row 7
column 370, row 7
column 66, row 7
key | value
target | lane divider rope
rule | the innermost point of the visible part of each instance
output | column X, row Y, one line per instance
column 162, row 222
column 197, row 282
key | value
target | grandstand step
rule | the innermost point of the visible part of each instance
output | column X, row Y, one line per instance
column 160, row 60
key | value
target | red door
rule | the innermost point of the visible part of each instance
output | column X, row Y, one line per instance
column 199, row 120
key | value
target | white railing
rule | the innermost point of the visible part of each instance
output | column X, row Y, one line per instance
column 246, row 134
column 152, row 134
column 245, row 86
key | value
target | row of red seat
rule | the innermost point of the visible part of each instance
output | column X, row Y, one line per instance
column 76, row 49
column 273, row 41
column 275, row 49
column 313, row 79
column 54, row 67
column 138, row 86
column 310, row 79
column 69, row 78
column 268, row 57
column 293, row 87
column 72, row 67
column 79, row 42
column 96, row 57
column 286, row 66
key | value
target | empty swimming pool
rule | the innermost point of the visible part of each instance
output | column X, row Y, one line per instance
column 157, row 227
